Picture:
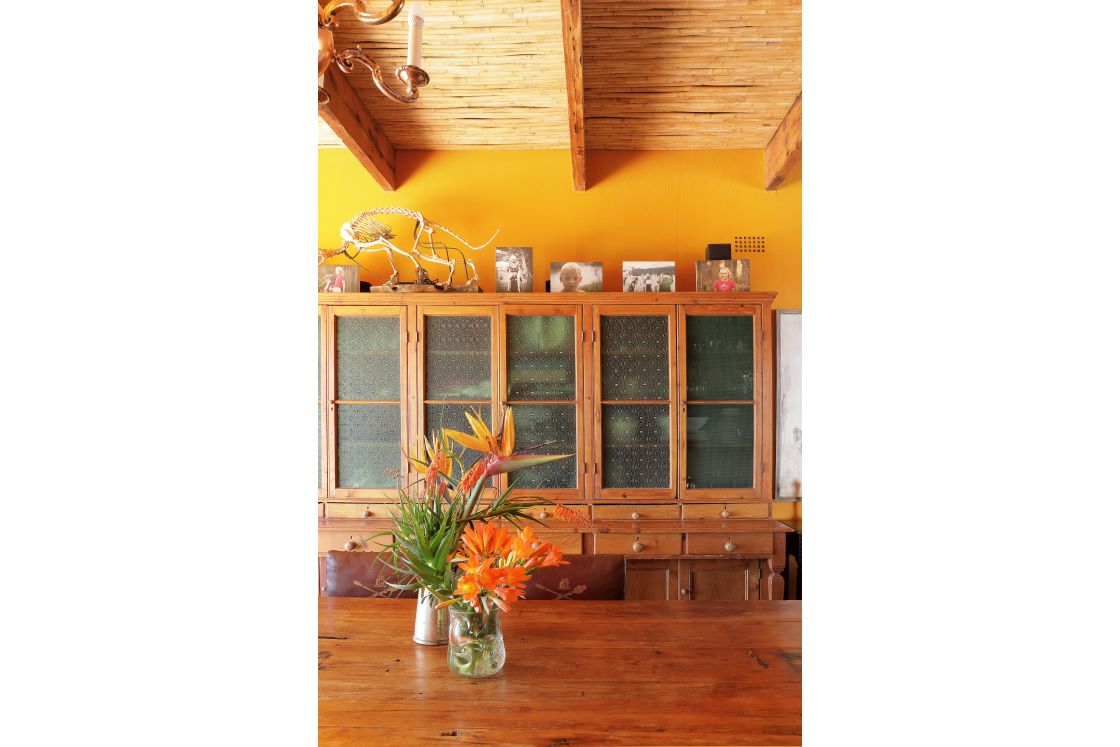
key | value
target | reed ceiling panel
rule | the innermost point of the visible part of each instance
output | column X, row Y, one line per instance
column 688, row 74
column 497, row 75
column 657, row 74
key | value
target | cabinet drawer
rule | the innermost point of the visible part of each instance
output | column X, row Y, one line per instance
column 548, row 513
column 638, row 544
column 322, row 510
column 726, row 510
column 745, row 543
column 569, row 543
column 636, row 513
column 336, row 539
column 359, row 510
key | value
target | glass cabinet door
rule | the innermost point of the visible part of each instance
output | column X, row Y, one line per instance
column 720, row 386
column 541, row 353
column 457, row 370
column 366, row 416
column 635, row 361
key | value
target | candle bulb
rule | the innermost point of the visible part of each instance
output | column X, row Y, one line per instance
column 415, row 30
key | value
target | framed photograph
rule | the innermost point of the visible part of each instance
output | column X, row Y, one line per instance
column 787, row 341
column 649, row 277
column 723, row 275
column 338, row 278
column 513, row 266
column 576, row 277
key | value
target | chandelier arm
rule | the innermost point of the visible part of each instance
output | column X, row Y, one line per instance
column 361, row 11
column 347, row 57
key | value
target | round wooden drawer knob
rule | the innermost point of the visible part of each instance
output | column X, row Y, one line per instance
column 729, row 546
column 635, row 515
column 684, row 592
column 544, row 514
column 350, row 545
column 725, row 514
column 638, row 547
column 368, row 513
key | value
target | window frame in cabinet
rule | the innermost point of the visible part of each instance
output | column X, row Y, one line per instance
column 332, row 313
column 763, row 404
column 627, row 495
column 417, row 392
column 577, row 311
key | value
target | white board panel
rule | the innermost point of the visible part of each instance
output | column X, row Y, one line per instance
column 788, row 484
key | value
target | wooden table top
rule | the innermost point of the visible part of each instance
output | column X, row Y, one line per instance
column 576, row 673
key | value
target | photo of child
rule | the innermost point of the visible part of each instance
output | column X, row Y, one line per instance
column 338, row 279
column 723, row 275
column 513, row 269
column 576, row 277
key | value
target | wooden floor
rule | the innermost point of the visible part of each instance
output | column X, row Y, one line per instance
column 580, row 673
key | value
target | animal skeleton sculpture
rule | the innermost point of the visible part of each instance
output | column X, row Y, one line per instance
column 368, row 234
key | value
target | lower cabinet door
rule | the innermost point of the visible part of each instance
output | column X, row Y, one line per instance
column 651, row 579
column 720, row 580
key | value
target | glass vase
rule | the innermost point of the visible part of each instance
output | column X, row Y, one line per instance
column 475, row 645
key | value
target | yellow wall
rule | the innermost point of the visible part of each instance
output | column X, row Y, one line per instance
column 660, row 205
column 639, row 206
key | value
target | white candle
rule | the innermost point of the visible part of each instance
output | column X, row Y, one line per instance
column 415, row 29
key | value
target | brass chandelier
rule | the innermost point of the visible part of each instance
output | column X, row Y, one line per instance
column 410, row 73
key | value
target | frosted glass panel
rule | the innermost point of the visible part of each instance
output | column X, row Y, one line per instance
column 457, row 357
column 455, row 418
column 720, row 446
column 634, row 355
column 369, row 358
column 720, row 357
column 635, row 446
column 537, row 424
column 541, row 357
column 369, row 453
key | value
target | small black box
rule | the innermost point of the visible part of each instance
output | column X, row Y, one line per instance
column 718, row 251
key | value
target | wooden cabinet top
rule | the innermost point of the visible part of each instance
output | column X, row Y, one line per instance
column 390, row 298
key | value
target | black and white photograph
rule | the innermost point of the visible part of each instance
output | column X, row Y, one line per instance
column 649, row 277
column 513, row 269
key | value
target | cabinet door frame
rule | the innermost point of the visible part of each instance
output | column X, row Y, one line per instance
column 627, row 495
column 749, row 568
column 418, row 330
column 507, row 310
column 331, row 316
column 324, row 403
column 762, row 403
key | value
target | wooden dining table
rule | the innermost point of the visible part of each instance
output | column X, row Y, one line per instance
column 576, row 673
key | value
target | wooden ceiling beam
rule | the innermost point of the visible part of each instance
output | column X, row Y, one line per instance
column 784, row 150
column 572, row 25
column 355, row 126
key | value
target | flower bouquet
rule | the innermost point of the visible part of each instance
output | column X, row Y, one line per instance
column 448, row 539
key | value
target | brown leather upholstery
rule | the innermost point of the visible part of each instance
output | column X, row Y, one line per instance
column 585, row 577
column 362, row 574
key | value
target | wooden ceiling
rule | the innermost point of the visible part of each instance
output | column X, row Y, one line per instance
column 656, row 74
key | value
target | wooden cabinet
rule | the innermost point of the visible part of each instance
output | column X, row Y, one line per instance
column 665, row 401
column 651, row 579
column 541, row 380
column 365, row 386
column 635, row 398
